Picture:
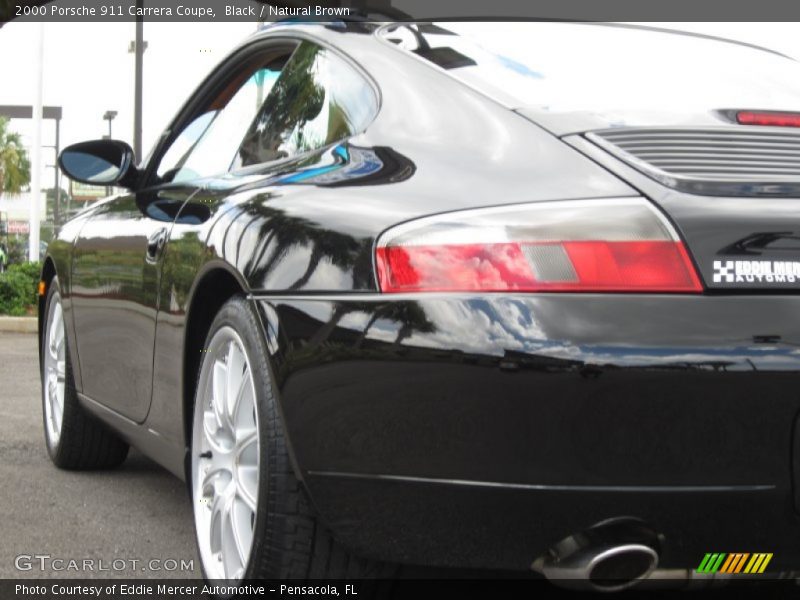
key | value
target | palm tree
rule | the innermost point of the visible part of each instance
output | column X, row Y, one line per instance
column 15, row 168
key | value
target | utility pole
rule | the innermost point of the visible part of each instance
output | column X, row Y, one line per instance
column 260, row 76
column 137, row 94
column 109, row 116
column 56, row 181
column 36, row 170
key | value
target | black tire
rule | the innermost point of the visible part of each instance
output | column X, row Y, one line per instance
column 84, row 442
column 289, row 541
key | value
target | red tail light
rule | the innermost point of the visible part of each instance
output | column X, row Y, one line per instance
column 620, row 245
column 768, row 118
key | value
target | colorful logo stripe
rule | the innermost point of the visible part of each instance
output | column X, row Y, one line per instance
column 736, row 562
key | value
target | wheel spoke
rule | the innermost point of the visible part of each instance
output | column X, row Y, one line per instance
column 238, row 376
column 247, row 446
column 52, row 334
column 59, row 397
column 60, row 337
column 220, row 378
column 210, row 426
column 231, row 552
column 216, row 524
column 247, row 468
column 215, row 479
column 242, row 401
column 58, row 413
column 241, row 516
column 247, row 486
column 244, row 417
column 57, row 328
column 58, row 320
column 53, row 403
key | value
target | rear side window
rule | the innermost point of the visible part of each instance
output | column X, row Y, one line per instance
column 317, row 100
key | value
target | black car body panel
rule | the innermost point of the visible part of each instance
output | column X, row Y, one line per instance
column 455, row 429
column 554, row 413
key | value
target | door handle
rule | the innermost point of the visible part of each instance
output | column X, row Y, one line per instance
column 155, row 243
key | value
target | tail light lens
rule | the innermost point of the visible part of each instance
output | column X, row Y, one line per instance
column 616, row 245
column 768, row 118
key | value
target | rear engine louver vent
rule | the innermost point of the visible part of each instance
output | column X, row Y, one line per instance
column 719, row 161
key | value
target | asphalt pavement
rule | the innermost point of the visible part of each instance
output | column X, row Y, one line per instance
column 132, row 521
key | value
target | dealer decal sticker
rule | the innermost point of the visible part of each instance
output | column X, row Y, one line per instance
column 756, row 271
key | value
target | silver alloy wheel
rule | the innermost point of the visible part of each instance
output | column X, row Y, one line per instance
column 54, row 371
column 225, row 458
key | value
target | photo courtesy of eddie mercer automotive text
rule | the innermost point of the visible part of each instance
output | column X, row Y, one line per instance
column 513, row 296
column 139, row 590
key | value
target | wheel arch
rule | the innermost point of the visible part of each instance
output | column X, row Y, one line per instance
column 217, row 284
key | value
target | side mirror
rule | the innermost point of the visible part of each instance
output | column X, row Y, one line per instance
column 100, row 162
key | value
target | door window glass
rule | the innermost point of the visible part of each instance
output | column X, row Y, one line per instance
column 318, row 99
column 207, row 145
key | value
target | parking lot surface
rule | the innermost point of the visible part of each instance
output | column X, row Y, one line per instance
column 133, row 521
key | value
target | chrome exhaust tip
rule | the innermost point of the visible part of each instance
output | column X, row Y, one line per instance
column 621, row 567
column 610, row 556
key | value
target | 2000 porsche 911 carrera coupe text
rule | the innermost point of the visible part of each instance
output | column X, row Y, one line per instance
column 494, row 295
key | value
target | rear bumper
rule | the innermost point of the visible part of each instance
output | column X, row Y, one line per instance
column 478, row 431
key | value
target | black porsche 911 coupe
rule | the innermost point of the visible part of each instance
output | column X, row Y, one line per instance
column 489, row 295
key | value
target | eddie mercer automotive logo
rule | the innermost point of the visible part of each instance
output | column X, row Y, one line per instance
column 756, row 271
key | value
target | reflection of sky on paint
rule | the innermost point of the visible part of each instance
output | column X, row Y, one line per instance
column 338, row 165
column 492, row 328
column 476, row 332
column 575, row 67
column 518, row 67
column 328, row 276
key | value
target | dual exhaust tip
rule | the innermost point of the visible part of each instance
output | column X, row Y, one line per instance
column 610, row 556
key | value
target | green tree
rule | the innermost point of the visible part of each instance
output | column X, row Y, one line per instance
column 50, row 195
column 15, row 167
